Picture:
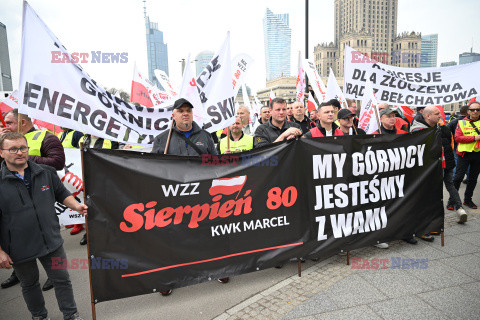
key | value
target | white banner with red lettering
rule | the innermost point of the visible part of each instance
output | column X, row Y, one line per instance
column 334, row 91
column 146, row 92
column 240, row 64
column 368, row 117
column 315, row 81
column 300, row 80
column 71, row 176
column 165, row 82
column 409, row 86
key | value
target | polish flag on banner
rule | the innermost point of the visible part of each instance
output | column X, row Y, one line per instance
column 300, row 79
column 333, row 90
column 227, row 186
column 145, row 92
column 368, row 118
column 165, row 82
column 11, row 102
column 312, row 105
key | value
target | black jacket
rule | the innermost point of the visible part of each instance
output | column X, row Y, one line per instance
column 29, row 226
column 306, row 124
column 201, row 138
column 267, row 133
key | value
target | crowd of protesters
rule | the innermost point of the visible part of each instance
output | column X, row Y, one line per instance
column 30, row 155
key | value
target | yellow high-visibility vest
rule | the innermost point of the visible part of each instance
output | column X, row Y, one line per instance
column 244, row 144
column 35, row 140
column 67, row 142
column 469, row 131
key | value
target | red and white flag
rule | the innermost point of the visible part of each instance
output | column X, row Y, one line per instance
column 368, row 118
column 300, row 80
column 312, row 105
column 189, row 91
column 272, row 96
column 145, row 92
column 227, row 186
column 408, row 113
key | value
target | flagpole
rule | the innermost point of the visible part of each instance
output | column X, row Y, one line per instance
column 169, row 137
column 228, row 138
column 306, row 47
column 378, row 119
column 92, row 301
column 3, row 121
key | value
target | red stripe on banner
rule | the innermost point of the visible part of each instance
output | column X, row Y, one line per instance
column 208, row 260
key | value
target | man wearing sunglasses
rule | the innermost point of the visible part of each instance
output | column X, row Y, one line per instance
column 467, row 135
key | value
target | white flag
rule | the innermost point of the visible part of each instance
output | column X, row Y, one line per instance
column 240, row 65
column 189, row 91
column 316, row 81
column 216, row 91
column 165, row 82
column 63, row 94
column 300, row 80
column 146, row 92
column 368, row 118
column 333, row 90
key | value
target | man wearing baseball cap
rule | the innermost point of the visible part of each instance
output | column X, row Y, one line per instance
column 387, row 120
column 346, row 122
column 187, row 139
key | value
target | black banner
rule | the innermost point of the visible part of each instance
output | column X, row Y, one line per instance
column 159, row 222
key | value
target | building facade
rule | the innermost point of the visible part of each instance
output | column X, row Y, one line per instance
column 429, row 51
column 277, row 41
column 282, row 87
column 203, row 58
column 157, row 50
column 369, row 26
column 448, row 64
column 468, row 57
column 5, row 71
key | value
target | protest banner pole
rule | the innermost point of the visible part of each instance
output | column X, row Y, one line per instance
column 169, row 137
column 92, row 302
column 19, row 122
column 228, row 138
column 443, row 238
column 306, row 48
column 378, row 119
column 299, row 268
column 3, row 120
column 348, row 258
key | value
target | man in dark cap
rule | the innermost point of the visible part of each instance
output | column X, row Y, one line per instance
column 345, row 120
column 187, row 139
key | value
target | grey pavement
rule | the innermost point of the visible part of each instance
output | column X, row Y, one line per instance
column 447, row 287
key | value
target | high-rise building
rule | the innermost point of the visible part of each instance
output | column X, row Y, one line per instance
column 369, row 26
column 468, row 57
column 277, row 39
column 448, row 64
column 157, row 51
column 203, row 58
column 5, row 72
column 428, row 57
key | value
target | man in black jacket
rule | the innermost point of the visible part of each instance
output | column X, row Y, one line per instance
column 187, row 139
column 29, row 227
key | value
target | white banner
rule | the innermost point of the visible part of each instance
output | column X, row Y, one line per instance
column 240, row 64
column 63, row 94
column 165, row 82
column 300, row 79
column 315, row 81
column 216, row 90
column 410, row 86
column 368, row 117
column 71, row 176
column 334, row 91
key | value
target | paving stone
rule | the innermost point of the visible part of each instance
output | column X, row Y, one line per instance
column 317, row 304
column 468, row 264
column 455, row 302
column 470, row 237
column 396, row 282
column 357, row 313
column 439, row 275
column 407, row 307
column 473, row 288
column 456, row 247
column 354, row 291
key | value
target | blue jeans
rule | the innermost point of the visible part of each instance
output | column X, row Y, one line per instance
column 27, row 273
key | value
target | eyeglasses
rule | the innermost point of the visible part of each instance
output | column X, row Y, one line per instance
column 474, row 110
column 15, row 150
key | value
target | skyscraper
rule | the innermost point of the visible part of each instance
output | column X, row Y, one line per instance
column 428, row 57
column 157, row 51
column 277, row 39
column 5, row 72
column 203, row 58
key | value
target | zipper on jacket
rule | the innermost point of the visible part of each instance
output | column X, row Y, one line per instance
column 38, row 219
column 20, row 194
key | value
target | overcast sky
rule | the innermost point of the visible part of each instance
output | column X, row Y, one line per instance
column 191, row 26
